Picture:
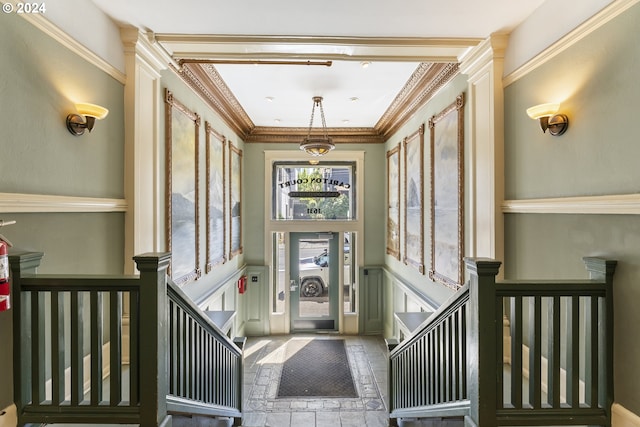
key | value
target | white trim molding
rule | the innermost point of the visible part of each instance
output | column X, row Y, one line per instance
column 72, row 44
column 29, row 203
column 622, row 417
column 598, row 20
column 615, row 204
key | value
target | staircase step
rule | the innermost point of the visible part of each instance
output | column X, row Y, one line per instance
column 431, row 422
column 199, row 421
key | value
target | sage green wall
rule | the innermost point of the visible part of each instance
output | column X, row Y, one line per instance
column 184, row 94
column 435, row 291
column 41, row 81
column 597, row 82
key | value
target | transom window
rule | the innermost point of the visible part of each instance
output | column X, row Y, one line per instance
column 314, row 192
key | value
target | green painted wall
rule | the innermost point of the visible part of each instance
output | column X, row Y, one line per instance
column 441, row 100
column 41, row 81
column 183, row 93
column 596, row 81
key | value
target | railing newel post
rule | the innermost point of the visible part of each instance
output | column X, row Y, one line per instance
column 21, row 263
column 603, row 270
column 153, row 340
column 481, row 339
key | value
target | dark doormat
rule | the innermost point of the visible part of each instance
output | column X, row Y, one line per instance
column 317, row 368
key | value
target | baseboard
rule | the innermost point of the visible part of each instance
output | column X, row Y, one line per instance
column 622, row 417
column 9, row 417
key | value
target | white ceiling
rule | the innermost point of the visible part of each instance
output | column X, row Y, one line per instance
column 345, row 32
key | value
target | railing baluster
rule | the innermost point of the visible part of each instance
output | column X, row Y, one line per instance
column 516, row 352
column 573, row 352
column 77, row 346
column 96, row 347
column 37, row 348
column 456, row 350
column 115, row 348
column 209, row 364
column 197, row 372
column 535, row 355
column 172, row 348
column 57, row 348
column 553, row 377
column 422, row 361
column 184, row 360
column 602, row 351
column 134, row 352
column 444, row 329
column 463, row 353
column 592, row 354
column 500, row 315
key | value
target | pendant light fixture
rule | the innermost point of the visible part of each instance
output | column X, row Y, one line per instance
column 317, row 145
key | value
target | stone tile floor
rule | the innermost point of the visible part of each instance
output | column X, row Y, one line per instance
column 264, row 356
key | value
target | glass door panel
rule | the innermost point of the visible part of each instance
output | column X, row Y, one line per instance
column 313, row 266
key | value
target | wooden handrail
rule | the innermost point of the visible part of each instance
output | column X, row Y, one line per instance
column 427, row 371
column 205, row 366
column 558, row 352
column 70, row 347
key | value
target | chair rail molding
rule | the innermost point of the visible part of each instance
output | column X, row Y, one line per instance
column 29, row 203
column 613, row 204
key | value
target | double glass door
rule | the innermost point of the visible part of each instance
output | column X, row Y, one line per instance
column 314, row 281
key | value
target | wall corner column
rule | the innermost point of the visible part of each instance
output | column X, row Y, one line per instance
column 143, row 103
column 484, row 68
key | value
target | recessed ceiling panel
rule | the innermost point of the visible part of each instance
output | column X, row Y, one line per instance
column 281, row 95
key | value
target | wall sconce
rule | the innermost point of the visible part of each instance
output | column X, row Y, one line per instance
column 88, row 113
column 549, row 119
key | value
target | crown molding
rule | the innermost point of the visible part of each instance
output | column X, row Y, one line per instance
column 53, row 31
column 435, row 71
column 262, row 134
column 208, row 84
column 419, row 89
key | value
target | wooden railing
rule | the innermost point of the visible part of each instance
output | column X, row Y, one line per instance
column 428, row 370
column 554, row 366
column 75, row 363
column 205, row 366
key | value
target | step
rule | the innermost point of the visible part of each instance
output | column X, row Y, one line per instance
column 199, row 421
column 431, row 422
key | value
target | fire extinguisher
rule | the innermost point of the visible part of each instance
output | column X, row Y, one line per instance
column 5, row 290
column 242, row 284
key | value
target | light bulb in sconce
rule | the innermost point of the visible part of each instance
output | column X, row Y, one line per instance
column 86, row 118
column 549, row 118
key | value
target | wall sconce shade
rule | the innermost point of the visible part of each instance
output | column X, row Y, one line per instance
column 86, row 119
column 549, row 118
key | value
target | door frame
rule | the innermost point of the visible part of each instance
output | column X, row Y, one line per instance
column 279, row 322
column 295, row 281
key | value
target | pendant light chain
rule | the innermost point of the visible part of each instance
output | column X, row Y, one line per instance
column 317, row 146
